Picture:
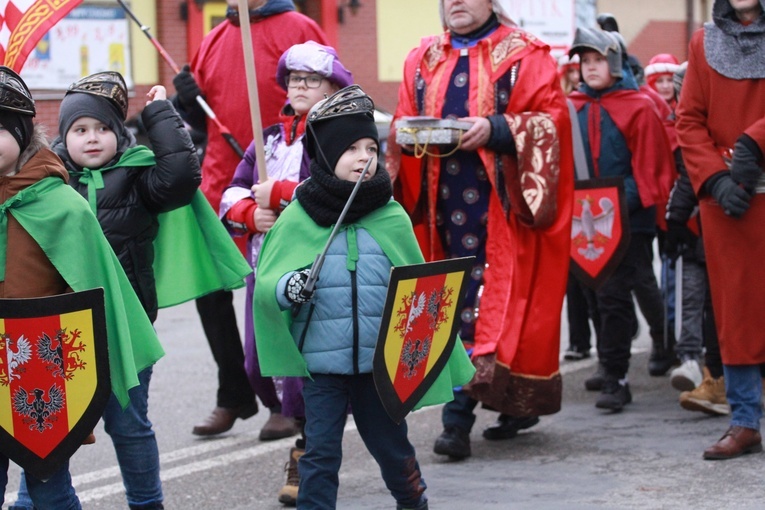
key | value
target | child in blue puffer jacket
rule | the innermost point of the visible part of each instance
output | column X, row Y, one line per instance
column 329, row 338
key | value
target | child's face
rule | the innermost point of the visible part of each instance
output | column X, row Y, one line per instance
column 90, row 143
column 594, row 67
column 572, row 75
column 665, row 87
column 302, row 97
column 9, row 152
column 355, row 157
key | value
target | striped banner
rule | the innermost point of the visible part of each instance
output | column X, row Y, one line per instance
column 24, row 23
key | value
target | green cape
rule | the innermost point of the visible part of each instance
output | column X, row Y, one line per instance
column 293, row 243
column 195, row 255
column 184, row 265
column 61, row 222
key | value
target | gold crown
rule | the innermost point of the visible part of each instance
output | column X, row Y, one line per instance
column 348, row 101
column 14, row 94
column 108, row 84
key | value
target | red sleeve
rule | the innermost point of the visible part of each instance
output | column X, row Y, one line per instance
column 757, row 132
column 241, row 215
column 405, row 170
column 281, row 194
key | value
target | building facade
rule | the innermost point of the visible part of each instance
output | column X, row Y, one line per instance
column 372, row 37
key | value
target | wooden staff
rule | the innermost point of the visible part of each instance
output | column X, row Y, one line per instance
column 224, row 131
column 252, row 90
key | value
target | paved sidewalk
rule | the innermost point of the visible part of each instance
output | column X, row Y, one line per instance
column 647, row 457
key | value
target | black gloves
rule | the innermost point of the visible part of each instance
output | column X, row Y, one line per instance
column 187, row 87
column 745, row 167
column 295, row 286
column 679, row 239
column 731, row 197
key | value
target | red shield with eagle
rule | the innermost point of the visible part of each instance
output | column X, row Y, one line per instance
column 418, row 331
column 600, row 232
column 54, row 377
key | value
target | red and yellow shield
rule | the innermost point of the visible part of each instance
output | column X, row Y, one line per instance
column 54, row 377
column 419, row 326
column 600, row 232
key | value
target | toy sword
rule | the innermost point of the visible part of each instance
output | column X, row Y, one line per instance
column 313, row 275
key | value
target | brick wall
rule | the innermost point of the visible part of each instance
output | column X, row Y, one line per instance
column 358, row 51
column 660, row 37
column 171, row 33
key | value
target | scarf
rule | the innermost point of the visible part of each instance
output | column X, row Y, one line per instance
column 138, row 156
column 323, row 195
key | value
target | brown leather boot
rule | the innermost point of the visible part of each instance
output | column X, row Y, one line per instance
column 278, row 426
column 222, row 419
column 288, row 494
column 737, row 441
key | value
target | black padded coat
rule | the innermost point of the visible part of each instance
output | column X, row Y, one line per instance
column 132, row 198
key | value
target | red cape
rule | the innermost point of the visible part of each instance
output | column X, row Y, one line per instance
column 636, row 118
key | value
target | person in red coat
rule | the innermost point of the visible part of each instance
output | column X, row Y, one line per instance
column 503, row 195
column 721, row 130
column 217, row 73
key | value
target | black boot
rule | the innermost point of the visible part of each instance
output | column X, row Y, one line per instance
column 662, row 356
column 454, row 442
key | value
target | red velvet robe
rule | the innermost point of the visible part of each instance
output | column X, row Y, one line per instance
column 517, row 335
column 713, row 112
column 218, row 67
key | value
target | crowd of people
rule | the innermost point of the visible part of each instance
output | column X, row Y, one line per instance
column 512, row 192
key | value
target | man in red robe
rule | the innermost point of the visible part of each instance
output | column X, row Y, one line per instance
column 503, row 195
column 217, row 73
column 721, row 130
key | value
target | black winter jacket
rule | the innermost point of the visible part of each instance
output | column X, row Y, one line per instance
column 132, row 198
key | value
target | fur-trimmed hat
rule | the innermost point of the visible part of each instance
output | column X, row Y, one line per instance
column 17, row 108
column 661, row 64
column 313, row 57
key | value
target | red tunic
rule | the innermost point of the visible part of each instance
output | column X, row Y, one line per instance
column 713, row 112
column 517, row 335
column 218, row 67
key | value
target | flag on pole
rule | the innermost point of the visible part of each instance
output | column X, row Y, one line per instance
column 24, row 22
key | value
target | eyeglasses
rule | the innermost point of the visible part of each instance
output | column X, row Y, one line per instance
column 311, row 81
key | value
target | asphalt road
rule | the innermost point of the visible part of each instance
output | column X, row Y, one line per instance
column 647, row 457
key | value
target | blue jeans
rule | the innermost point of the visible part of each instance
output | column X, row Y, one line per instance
column 326, row 405
column 56, row 493
column 459, row 412
column 743, row 388
column 136, row 448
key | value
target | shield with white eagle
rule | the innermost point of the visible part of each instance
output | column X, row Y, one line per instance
column 600, row 232
column 418, row 331
column 54, row 377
